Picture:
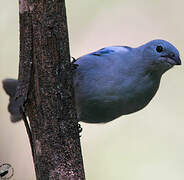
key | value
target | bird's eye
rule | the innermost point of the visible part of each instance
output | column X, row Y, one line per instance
column 159, row 49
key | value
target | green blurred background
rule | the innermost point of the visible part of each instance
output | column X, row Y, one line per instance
column 145, row 145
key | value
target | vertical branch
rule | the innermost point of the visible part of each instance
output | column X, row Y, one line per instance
column 46, row 89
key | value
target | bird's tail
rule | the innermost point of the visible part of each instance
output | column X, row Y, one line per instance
column 10, row 86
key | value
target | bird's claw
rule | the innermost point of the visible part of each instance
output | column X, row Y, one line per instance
column 74, row 66
column 79, row 129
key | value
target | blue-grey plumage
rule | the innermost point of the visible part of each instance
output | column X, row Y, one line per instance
column 120, row 80
column 115, row 80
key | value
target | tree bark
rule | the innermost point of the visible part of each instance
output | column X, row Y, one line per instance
column 46, row 90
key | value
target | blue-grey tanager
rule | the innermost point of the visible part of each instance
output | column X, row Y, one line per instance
column 115, row 80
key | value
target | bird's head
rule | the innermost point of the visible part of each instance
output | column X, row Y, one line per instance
column 160, row 55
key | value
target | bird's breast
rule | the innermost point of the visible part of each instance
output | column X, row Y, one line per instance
column 113, row 101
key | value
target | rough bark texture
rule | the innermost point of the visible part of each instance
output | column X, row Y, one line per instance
column 46, row 90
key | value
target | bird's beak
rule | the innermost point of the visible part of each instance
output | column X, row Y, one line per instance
column 177, row 60
column 173, row 60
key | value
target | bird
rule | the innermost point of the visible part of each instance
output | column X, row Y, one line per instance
column 114, row 81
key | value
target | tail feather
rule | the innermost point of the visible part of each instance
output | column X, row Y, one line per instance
column 10, row 86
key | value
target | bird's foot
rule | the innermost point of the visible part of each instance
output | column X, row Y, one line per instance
column 79, row 129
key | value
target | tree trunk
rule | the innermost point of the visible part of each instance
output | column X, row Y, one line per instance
column 46, row 90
